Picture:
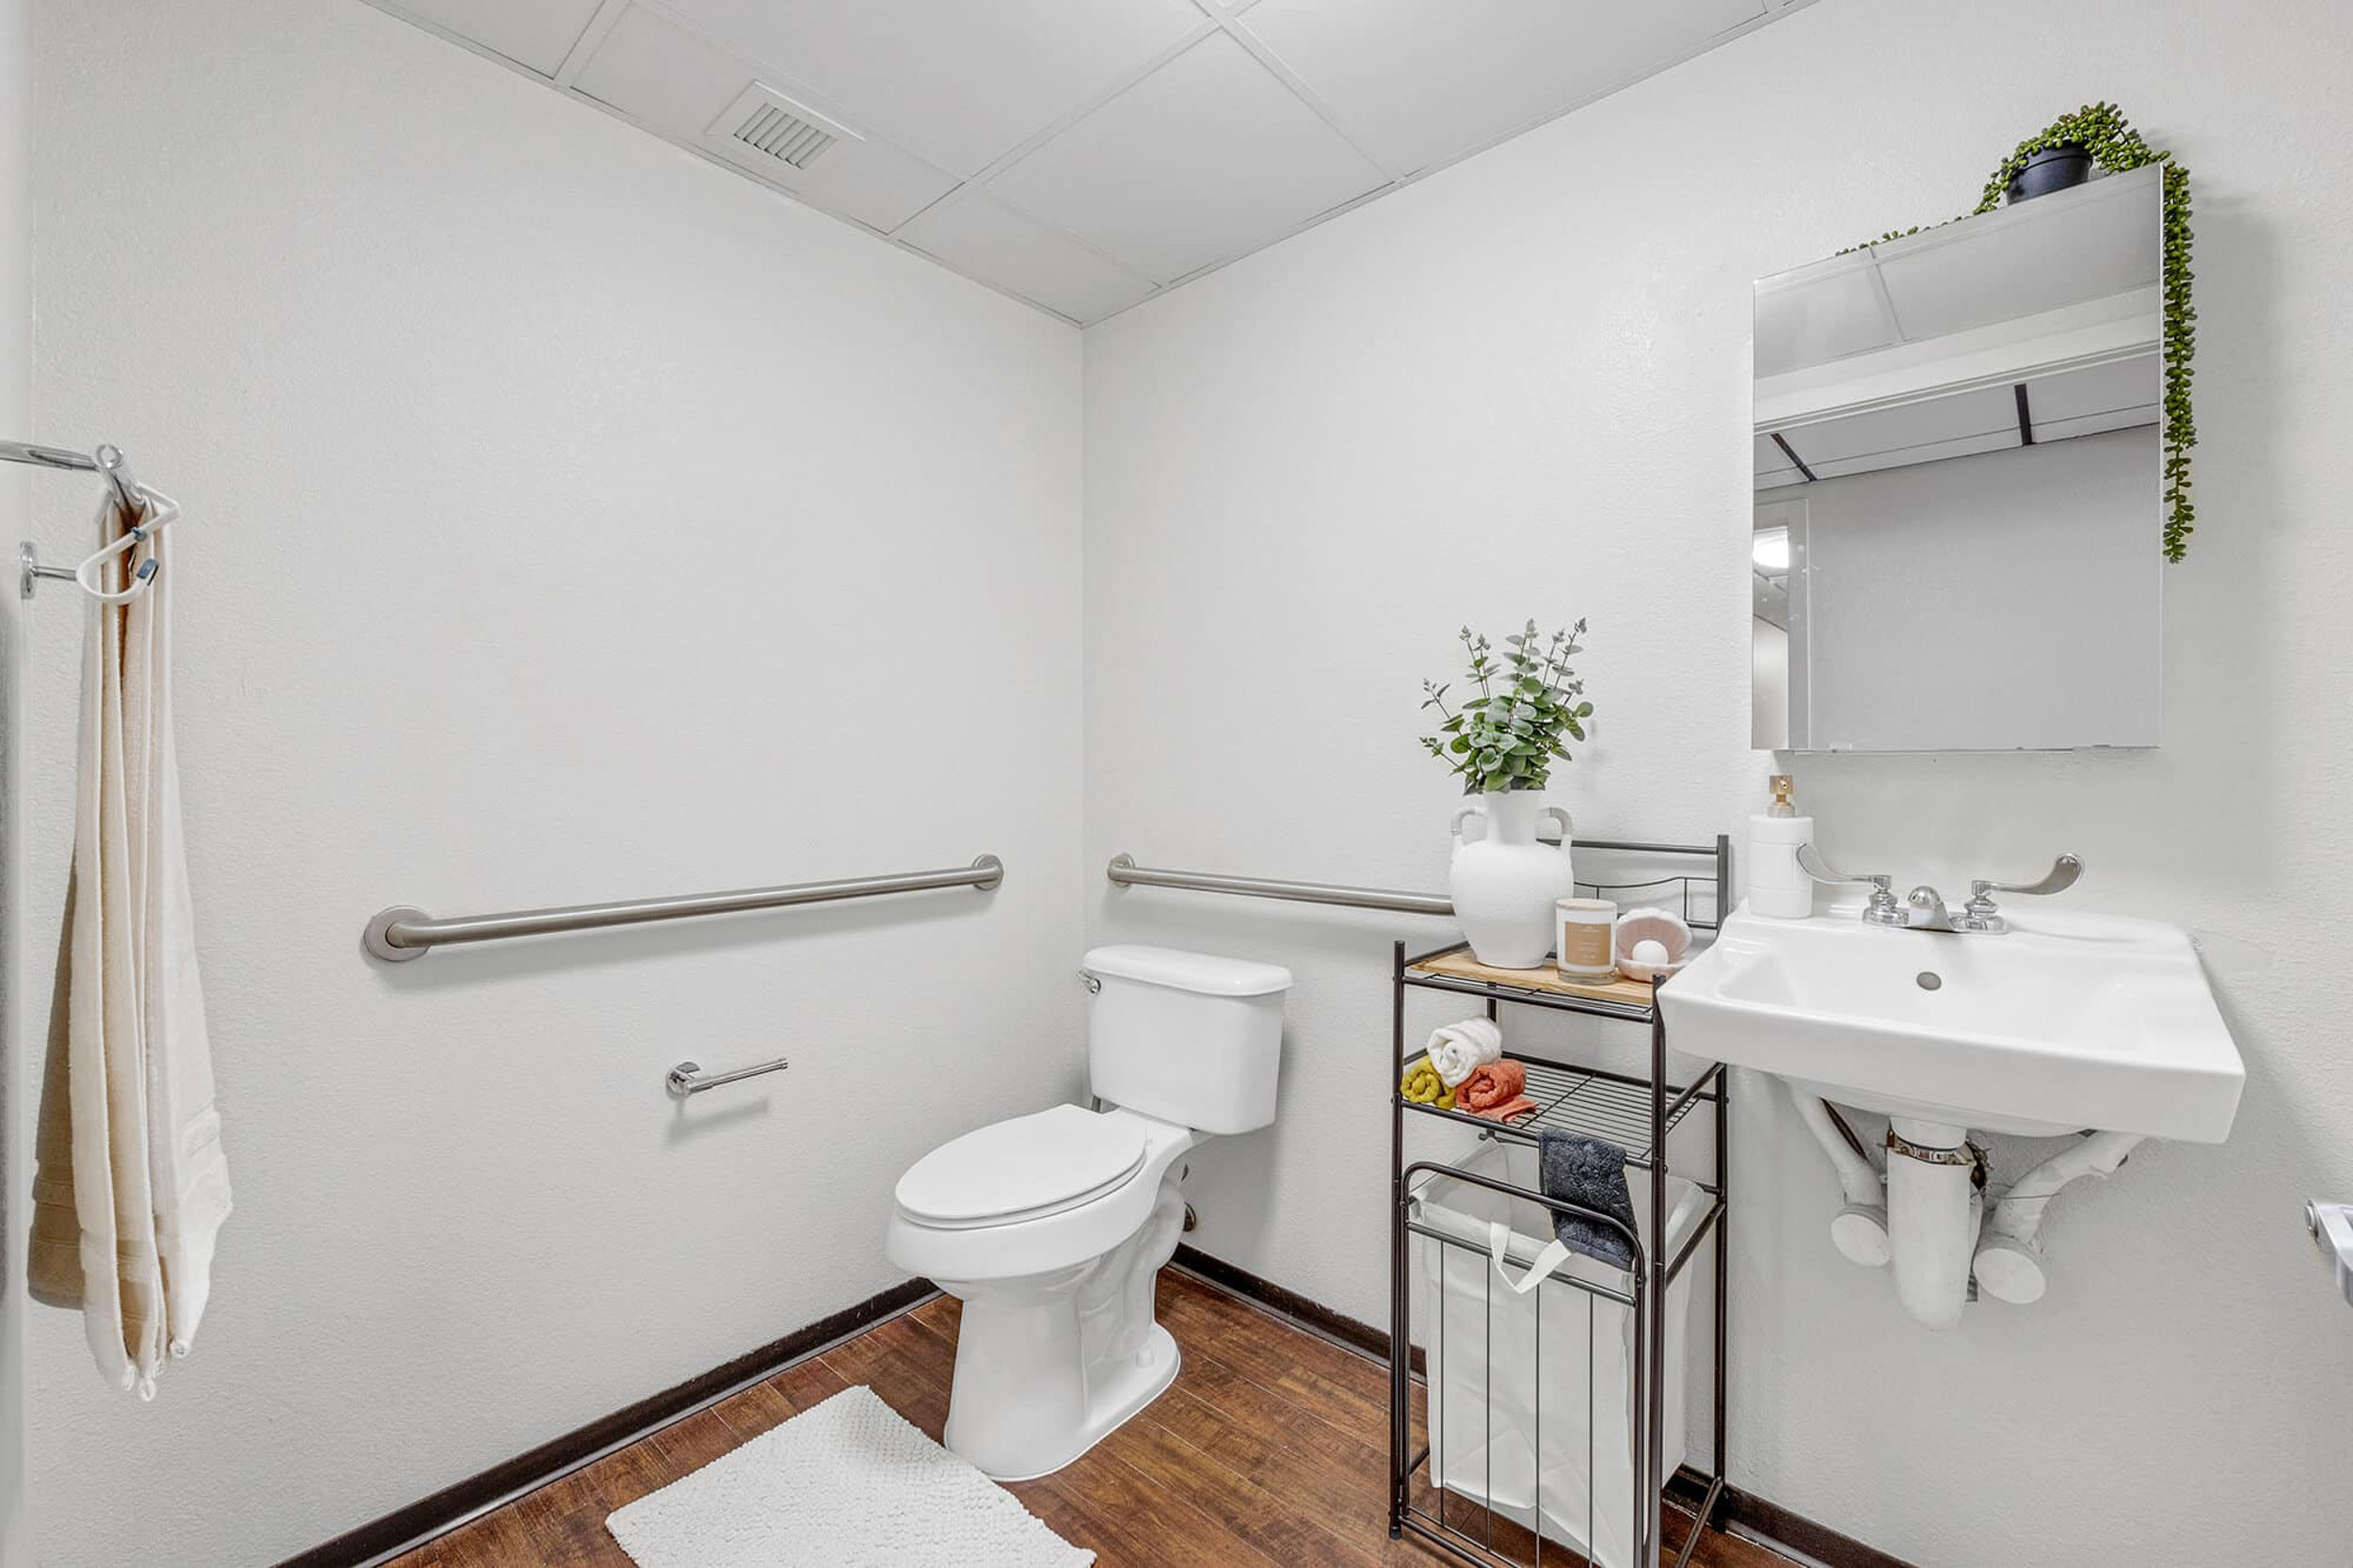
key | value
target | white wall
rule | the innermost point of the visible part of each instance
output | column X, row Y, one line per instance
column 566, row 520
column 1521, row 388
column 16, row 388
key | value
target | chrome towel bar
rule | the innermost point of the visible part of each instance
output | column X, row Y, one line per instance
column 1125, row 873
column 402, row 933
column 688, row 1078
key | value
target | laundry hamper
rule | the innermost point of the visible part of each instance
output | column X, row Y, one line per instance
column 1530, row 1394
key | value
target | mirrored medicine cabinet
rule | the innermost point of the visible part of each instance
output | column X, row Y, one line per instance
column 1958, row 483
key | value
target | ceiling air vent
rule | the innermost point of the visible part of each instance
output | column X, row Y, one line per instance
column 766, row 125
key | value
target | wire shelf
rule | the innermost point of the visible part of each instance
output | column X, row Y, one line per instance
column 1586, row 1100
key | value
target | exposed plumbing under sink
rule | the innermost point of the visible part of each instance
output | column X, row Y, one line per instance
column 1936, row 1190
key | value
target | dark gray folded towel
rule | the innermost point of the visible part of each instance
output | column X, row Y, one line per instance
column 1591, row 1174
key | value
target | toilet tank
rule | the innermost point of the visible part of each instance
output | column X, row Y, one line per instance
column 1186, row 1037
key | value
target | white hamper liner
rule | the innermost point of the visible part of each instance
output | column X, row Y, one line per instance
column 1488, row 1346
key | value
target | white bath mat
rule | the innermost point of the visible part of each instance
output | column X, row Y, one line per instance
column 847, row 1484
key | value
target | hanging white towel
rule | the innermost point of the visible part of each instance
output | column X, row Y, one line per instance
column 1460, row 1049
column 130, row 1186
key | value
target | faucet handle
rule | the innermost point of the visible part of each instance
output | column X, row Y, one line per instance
column 1981, row 912
column 1811, row 862
column 2061, row 876
column 1882, row 908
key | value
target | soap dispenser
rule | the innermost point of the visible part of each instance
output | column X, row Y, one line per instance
column 1778, row 886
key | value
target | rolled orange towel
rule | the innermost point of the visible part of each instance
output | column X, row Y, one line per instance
column 1518, row 1105
column 1491, row 1085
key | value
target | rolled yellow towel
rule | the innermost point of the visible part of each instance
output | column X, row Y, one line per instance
column 1423, row 1086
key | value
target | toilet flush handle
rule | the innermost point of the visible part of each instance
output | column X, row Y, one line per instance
column 1092, row 981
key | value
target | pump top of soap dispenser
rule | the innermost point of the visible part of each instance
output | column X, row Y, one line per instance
column 1784, row 796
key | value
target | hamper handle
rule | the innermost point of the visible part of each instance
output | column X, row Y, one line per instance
column 1499, row 1243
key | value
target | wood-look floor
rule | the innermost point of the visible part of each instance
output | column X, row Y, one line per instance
column 1271, row 1451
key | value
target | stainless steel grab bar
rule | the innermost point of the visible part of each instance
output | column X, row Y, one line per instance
column 402, row 932
column 688, row 1078
column 1125, row 873
column 107, row 462
column 2331, row 1224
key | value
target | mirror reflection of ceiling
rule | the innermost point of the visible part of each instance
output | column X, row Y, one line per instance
column 2030, row 324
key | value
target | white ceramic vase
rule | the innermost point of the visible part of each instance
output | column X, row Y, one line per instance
column 1506, row 883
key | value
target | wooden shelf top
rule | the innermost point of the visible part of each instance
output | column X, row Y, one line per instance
column 1548, row 981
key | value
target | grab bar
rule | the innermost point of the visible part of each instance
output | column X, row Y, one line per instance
column 688, row 1078
column 1125, row 873
column 402, row 932
column 2331, row 1224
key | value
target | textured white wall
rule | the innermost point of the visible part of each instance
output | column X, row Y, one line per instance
column 16, row 389
column 1521, row 388
column 566, row 520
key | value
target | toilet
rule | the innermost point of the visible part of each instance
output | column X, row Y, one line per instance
column 1052, row 1228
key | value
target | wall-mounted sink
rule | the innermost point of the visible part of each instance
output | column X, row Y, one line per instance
column 2064, row 1021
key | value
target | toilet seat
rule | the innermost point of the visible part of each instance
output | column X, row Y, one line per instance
column 1025, row 1168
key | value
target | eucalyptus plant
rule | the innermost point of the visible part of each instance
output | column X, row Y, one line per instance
column 1509, row 735
column 2115, row 146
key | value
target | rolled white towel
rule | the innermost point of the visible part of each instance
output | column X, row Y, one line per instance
column 1461, row 1048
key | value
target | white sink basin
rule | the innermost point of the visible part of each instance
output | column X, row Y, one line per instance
column 2064, row 1022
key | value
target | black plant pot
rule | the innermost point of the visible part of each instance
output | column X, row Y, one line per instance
column 2052, row 169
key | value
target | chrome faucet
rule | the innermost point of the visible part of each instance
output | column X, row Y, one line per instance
column 1925, row 909
column 1929, row 911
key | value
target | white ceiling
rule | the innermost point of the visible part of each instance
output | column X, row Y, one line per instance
column 1082, row 156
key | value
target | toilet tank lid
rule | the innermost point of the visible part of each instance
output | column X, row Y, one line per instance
column 1202, row 972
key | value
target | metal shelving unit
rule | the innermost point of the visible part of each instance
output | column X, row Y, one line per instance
column 1639, row 1113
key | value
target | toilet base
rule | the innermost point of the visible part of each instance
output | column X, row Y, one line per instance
column 977, row 1432
column 1049, row 1365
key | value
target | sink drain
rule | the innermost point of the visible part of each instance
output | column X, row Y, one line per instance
column 1928, row 979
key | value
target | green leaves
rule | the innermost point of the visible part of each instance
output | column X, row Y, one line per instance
column 1506, row 737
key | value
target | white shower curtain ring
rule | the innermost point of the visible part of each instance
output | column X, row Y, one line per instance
column 160, row 512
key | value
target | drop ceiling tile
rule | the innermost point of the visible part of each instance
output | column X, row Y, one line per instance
column 982, row 238
column 534, row 34
column 960, row 83
column 1420, row 81
column 1205, row 159
column 677, row 84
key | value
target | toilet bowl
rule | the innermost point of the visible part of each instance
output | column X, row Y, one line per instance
column 1052, row 1228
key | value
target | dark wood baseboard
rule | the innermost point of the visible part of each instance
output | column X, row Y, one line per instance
column 1289, row 1304
column 453, row 1504
column 1755, row 1515
column 1778, row 1527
